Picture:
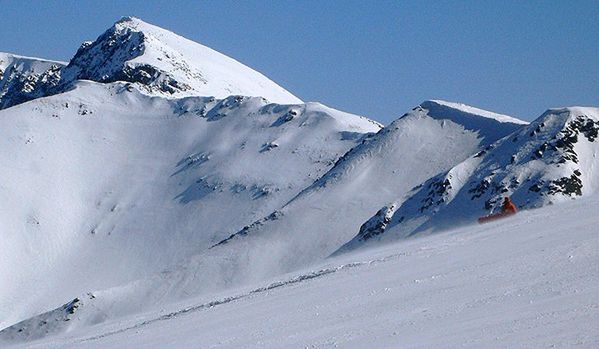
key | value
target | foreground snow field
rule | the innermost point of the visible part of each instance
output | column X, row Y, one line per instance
column 528, row 281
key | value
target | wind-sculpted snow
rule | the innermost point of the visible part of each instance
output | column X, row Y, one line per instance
column 490, row 126
column 552, row 160
column 465, row 114
column 432, row 117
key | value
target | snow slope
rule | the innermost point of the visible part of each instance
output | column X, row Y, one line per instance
column 103, row 185
column 551, row 160
column 146, row 184
column 529, row 281
column 424, row 142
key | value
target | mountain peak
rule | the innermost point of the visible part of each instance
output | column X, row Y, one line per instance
column 165, row 63
column 129, row 20
column 570, row 112
column 159, row 61
column 135, row 24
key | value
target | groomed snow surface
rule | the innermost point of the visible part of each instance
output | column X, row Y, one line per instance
column 531, row 281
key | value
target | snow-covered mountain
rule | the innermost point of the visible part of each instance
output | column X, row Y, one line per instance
column 303, row 199
column 107, row 173
column 167, row 64
column 107, row 181
column 25, row 78
column 551, row 160
column 157, row 60
column 430, row 139
column 156, row 170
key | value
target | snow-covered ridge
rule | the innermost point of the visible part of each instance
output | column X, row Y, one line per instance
column 381, row 169
column 553, row 159
column 25, row 63
column 429, row 119
column 25, row 78
column 488, row 125
column 474, row 111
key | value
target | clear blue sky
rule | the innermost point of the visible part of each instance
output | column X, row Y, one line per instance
column 375, row 58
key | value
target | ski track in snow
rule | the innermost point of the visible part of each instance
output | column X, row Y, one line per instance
column 527, row 281
column 271, row 286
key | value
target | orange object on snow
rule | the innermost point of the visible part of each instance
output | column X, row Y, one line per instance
column 508, row 206
column 507, row 209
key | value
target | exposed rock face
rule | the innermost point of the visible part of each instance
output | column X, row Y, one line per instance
column 108, row 59
column 378, row 223
column 251, row 228
column 159, row 62
column 553, row 159
column 23, row 79
column 42, row 325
